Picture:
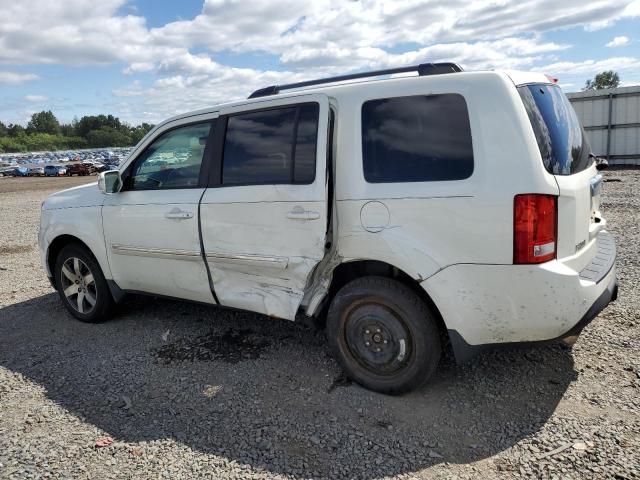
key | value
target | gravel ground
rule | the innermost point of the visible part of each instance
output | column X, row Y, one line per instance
column 49, row 184
column 192, row 391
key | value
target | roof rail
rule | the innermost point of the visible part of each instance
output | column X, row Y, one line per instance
column 422, row 69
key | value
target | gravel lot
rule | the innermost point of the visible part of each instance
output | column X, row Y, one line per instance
column 190, row 391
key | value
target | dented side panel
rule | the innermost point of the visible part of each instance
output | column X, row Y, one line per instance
column 262, row 242
column 259, row 258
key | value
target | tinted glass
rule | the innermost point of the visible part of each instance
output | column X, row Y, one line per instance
column 561, row 140
column 276, row 146
column 172, row 161
column 307, row 135
column 416, row 139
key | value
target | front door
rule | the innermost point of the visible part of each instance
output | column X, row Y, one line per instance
column 264, row 217
column 151, row 226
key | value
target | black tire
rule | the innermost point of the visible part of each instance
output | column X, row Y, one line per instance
column 384, row 335
column 81, row 307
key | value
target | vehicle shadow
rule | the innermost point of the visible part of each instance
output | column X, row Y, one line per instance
column 265, row 393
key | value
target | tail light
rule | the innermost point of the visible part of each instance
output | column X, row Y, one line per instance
column 535, row 223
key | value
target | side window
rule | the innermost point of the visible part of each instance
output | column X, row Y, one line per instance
column 275, row 146
column 416, row 139
column 173, row 160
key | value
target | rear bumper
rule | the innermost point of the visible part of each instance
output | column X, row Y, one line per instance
column 486, row 305
column 608, row 296
column 463, row 351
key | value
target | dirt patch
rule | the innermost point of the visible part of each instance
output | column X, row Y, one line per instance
column 232, row 346
column 340, row 381
column 36, row 184
column 13, row 249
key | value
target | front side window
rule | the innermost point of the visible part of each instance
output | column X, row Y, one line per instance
column 420, row 138
column 173, row 160
column 275, row 146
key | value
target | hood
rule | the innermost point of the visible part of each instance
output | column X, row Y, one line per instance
column 83, row 196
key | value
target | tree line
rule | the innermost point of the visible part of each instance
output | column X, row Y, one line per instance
column 45, row 133
column 606, row 79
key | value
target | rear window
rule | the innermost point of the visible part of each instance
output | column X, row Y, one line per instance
column 561, row 139
column 416, row 139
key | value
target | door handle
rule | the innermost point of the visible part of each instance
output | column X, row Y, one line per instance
column 177, row 214
column 299, row 213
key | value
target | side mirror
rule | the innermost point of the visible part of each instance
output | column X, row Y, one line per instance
column 109, row 182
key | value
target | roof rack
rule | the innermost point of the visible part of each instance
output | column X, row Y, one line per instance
column 422, row 69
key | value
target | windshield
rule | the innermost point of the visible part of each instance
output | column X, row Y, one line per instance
column 561, row 140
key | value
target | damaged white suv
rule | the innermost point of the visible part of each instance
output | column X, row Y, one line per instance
column 413, row 213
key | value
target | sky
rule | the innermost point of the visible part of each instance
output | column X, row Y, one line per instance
column 146, row 60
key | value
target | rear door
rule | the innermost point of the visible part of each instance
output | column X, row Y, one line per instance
column 264, row 215
column 566, row 154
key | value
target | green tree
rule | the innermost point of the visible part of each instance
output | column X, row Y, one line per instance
column 11, row 145
column 95, row 122
column 67, row 130
column 606, row 79
column 138, row 133
column 44, row 132
column 44, row 122
column 15, row 130
column 107, row 137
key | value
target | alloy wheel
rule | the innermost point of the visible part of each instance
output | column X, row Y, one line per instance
column 78, row 285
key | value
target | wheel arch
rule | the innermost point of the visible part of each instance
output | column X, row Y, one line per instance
column 348, row 271
column 57, row 245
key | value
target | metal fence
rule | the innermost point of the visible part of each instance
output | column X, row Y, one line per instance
column 611, row 119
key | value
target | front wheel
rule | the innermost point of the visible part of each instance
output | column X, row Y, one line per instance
column 383, row 335
column 81, row 284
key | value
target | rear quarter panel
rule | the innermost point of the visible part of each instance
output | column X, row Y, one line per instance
column 432, row 225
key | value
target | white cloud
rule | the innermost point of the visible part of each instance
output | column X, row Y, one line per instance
column 315, row 33
column 304, row 39
column 618, row 41
column 599, row 25
column 15, row 78
column 133, row 90
column 591, row 67
column 575, row 73
column 36, row 98
column 632, row 10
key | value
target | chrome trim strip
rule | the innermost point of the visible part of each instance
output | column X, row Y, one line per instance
column 188, row 255
column 248, row 259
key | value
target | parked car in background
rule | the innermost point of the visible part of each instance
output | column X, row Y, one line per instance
column 20, row 172
column 80, row 169
column 450, row 208
column 54, row 171
column 36, row 171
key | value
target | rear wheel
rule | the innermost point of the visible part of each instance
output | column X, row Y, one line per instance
column 81, row 284
column 383, row 334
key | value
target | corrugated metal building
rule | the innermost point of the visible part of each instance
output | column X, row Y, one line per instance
column 611, row 119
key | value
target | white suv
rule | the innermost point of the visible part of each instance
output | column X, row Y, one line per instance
column 413, row 213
